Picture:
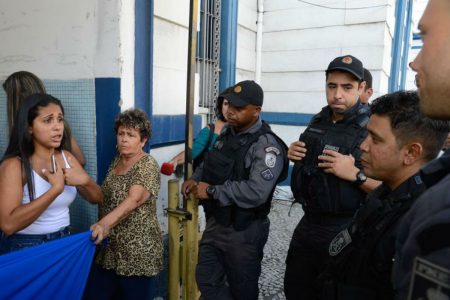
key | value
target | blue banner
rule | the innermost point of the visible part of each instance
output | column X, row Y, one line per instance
column 55, row 270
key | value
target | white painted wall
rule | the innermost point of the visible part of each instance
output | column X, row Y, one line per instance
column 299, row 41
column 60, row 39
column 126, row 53
column 246, row 40
column 170, row 46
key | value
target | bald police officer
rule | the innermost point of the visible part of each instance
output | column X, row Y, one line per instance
column 236, row 183
column 422, row 266
column 330, row 187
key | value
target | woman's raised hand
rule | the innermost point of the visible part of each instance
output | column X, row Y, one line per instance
column 75, row 175
column 55, row 178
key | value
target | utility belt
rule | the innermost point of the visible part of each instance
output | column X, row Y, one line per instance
column 320, row 218
column 232, row 215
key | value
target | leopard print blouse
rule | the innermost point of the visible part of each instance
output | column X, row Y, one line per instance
column 135, row 244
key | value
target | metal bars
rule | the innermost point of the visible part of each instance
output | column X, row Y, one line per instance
column 208, row 55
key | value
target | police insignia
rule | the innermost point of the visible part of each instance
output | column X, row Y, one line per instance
column 429, row 281
column 270, row 160
column 237, row 89
column 340, row 241
column 347, row 60
column 272, row 149
column 267, row 174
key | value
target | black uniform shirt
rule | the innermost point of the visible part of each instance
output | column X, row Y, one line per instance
column 424, row 232
column 265, row 160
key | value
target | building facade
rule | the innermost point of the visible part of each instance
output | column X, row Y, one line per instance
column 100, row 57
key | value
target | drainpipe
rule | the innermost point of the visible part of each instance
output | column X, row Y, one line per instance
column 259, row 35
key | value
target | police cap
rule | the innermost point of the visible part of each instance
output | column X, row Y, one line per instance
column 245, row 92
column 347, row 63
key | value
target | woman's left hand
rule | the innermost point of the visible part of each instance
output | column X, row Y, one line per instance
column 99, row 232
column 75, row 175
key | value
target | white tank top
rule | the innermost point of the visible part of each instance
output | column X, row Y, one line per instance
column 56, row 216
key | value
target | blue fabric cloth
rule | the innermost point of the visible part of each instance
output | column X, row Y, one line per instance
column 54, row 270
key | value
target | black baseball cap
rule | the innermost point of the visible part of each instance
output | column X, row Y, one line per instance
column 243, row 93
column 347, row 63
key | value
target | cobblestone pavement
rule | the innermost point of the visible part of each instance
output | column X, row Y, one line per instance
column 273, row 264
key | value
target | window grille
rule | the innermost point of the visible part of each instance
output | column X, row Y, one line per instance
column 208, row 55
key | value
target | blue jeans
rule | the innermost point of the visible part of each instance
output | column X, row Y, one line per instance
column 17, row 241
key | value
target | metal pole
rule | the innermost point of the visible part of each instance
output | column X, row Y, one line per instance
column 174, row 242
column 190, row 249
column 190, row 229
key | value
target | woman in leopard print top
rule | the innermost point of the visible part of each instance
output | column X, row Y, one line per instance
column 127, row 264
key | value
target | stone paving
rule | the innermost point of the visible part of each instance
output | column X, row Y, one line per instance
column 273, row 265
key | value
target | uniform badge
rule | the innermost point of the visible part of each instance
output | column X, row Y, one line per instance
column 267, row 174
column 237, row 89
column 331, row 147
column 272, row 149
column 429, row 281
column 340, row 241
column 347, row 60
column 270, row 160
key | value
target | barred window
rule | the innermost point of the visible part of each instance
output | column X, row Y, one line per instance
column 208, row 55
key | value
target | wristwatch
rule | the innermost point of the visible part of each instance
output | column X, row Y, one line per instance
column 210, row 190
column 360, row 178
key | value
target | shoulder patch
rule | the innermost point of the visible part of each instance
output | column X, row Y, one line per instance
column 339, row 242
column 272, row 149
column 429, row 280
column 267, row 175
column 270, row 159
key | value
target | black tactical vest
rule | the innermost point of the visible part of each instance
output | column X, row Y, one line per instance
column 316, row 190
column 226, row 161
column 361, row 255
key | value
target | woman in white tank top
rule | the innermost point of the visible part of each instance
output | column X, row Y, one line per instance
column 38, row 181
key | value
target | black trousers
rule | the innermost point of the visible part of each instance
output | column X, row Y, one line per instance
column 308, row 251
column 229, row 263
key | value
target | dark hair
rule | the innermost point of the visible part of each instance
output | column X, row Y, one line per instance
column 344, row 72
column 134, row 118
column 219, row 103
column 21, row 141
column 367, row 79
column 409, row 123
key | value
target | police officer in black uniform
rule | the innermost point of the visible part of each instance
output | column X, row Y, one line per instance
column 330, row 187
column 397, row 147
column 422, row 265
column 235, row 184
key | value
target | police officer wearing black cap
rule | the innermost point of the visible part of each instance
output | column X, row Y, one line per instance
column 236, row 183
column 327, row 177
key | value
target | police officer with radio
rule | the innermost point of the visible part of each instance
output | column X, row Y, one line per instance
column 331, row 188
column 422, row 265
column 397, row 147
column 237, row 180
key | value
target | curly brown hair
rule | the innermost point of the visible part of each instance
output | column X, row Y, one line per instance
column 137, row 119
